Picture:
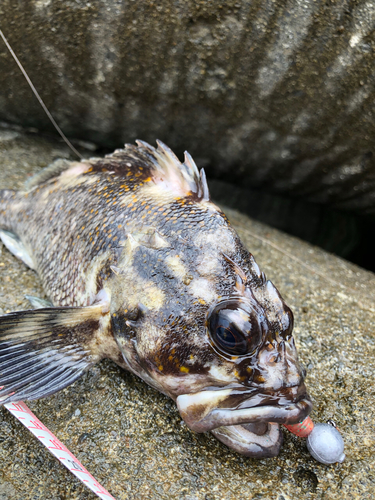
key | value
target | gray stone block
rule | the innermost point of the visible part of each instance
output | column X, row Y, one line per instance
column 267, row 94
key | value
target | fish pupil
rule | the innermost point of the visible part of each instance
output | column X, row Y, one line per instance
column 226, row 337
column 235, row 328
column 230, row 339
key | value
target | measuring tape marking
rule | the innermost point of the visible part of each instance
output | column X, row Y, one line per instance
column 56, row 447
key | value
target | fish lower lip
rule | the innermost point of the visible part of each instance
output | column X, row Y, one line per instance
column 260, row 440
column 288, row 414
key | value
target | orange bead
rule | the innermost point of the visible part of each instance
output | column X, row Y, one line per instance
column 302, row 429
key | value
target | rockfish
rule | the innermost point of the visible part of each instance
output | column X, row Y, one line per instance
column 142, row 268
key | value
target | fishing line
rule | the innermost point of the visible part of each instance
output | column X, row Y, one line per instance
column 20, row 410
column 39, row 98
column 264, row 240
column 56, row 447
column 59, row 450
column 296, row 259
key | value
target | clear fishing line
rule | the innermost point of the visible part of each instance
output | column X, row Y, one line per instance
column 19, row 409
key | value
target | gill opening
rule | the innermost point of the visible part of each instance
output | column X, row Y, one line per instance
column 41, row 102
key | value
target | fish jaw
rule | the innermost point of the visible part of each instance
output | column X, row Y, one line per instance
column 251, row 440
column 291, row 414
column 246, row 421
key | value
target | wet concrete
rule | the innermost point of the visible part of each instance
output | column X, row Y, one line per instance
column 270, row 94
column 132, row 439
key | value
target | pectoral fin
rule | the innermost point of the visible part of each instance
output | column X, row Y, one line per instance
column 38, row 303
column 16, row 247
column 44, row 350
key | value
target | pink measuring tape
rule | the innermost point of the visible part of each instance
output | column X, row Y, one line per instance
column 323, row 441
column 56, row 447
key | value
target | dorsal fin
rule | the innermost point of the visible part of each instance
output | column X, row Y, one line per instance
column 164, row 165
column 53, row 170
column 161, row 163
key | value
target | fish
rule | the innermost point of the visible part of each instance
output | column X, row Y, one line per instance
column 141, row 267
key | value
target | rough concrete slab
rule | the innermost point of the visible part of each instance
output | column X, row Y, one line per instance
column 267, row 93
column 131, row 438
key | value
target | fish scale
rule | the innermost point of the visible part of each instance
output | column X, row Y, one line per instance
column 259, row 438
column 142, row 268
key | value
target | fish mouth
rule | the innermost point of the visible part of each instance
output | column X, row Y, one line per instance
column 246, row 420
column 206, row 410
column 251, row 440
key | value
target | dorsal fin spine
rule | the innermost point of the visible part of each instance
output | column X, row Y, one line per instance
column 167, row 166
column 206, row 193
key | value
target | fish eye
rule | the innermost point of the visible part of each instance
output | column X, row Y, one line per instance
column 234, row 329
column 288, row 323
column 229, row 339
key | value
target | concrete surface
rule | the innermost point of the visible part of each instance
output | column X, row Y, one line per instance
column 270, row 94
column 131, row 438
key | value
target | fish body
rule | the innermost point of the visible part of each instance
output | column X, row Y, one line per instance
column 142, row 268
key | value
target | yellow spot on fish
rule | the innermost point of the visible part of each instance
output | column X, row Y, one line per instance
column 184, row 369
column 237, row 374
column 160, row 367
column 201, row 301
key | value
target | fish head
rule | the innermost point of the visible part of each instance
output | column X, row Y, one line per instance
column 221, row 347
column 259, row 380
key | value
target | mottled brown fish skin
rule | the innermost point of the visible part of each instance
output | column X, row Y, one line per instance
column 76, row 227
column 68, row 224
column 165, row 256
